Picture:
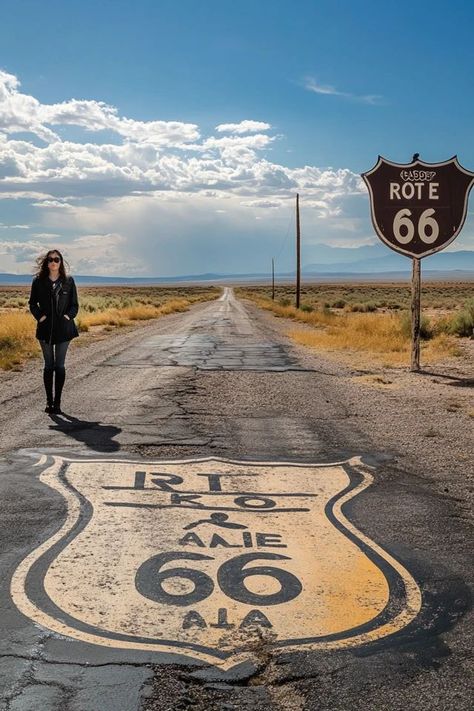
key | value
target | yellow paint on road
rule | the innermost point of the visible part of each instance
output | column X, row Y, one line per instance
column 162, row 556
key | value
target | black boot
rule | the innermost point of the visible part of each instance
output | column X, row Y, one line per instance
column 48, row 386
column 58, row 388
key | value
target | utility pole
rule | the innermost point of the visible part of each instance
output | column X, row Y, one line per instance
column 298, row 252
column 273, row 279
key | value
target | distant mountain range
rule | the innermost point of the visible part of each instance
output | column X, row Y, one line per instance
column 389, row 261
column 369, row 262
column 104, row 280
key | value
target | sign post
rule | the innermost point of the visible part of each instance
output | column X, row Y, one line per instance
column 415, row 314
column 418, row 209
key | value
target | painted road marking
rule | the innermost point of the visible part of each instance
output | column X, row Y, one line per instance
column 195, row 556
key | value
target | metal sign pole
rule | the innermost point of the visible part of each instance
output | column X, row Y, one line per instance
column 415, row 314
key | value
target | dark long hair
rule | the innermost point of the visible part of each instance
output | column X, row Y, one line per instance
column 42, row 269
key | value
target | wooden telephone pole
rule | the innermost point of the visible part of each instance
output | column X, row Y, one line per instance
column 298, row 252
column 273, row 279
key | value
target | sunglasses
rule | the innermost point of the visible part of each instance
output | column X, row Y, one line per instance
column 54, row 259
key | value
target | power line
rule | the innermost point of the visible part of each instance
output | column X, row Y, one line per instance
column 286, row 237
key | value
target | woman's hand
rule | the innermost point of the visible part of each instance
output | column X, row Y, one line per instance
column 43, row 318
column 66, row 316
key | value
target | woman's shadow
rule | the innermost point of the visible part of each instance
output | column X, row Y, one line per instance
column 93, row 434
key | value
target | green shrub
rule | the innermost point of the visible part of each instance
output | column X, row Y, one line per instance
column 284, row 302
column 7, row 343
column 366, row 307
column 338, row 304
column 462, row 323
column 307, row 307
column 443, row 325
column 426, row 329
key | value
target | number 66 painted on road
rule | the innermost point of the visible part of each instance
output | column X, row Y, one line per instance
column 230, row 576
column 401, row 219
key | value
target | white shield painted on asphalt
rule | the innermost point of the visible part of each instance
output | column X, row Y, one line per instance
column 204, row 557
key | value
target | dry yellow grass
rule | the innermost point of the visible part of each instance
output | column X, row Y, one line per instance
column 313, row 318
column 385, row 347
column 17, row 339
column 379, row 335
column 123, row 317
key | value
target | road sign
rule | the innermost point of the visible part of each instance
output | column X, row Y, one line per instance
column 201, row 557
column 418, row 208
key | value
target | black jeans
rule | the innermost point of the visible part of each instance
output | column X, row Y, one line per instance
column 54, row 354
column 54, row 357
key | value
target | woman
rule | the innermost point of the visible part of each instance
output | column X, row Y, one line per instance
column 53, row 302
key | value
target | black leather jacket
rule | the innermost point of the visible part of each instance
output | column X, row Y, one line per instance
column 55, row 305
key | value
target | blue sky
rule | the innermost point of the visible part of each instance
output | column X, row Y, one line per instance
column 170, row 137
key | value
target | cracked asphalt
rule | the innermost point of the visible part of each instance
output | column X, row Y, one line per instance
column 223, row 380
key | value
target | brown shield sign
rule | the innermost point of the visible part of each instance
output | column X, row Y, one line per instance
column 201, row 557
column 418, row 208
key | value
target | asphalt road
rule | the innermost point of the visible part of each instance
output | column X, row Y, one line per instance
column 221, row 381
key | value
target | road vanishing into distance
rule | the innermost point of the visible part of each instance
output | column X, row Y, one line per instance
column 211, row 524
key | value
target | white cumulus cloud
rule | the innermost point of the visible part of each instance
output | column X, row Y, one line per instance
column 243, row 127
column 23, row 113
